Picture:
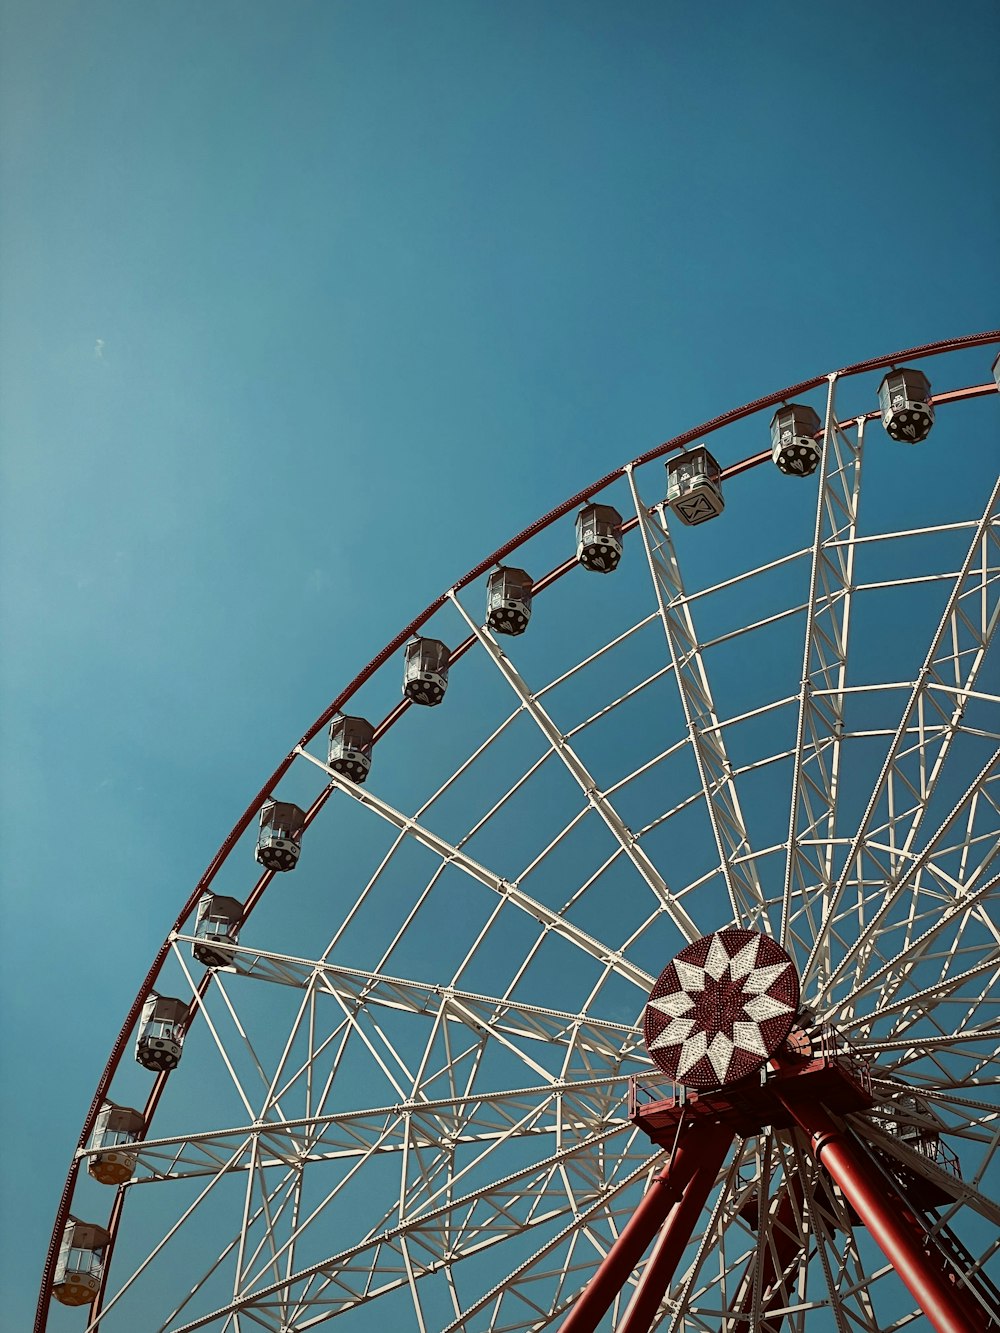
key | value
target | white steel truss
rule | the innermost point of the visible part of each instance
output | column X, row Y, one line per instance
column 820, row 724
column 919, row 748
column 718, row 784
column 598, row 799
column 357, row 1123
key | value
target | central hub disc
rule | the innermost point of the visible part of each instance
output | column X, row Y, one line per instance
column 721, row 1008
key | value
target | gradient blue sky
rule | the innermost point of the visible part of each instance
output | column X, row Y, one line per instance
column 282, row 284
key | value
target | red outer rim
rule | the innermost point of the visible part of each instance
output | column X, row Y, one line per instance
column 243, row 823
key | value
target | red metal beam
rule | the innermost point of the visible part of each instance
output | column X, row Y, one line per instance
column 712, row 1148
column 890, row 1223
column 676, row 1197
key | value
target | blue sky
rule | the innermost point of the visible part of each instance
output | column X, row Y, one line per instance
column 307, row 307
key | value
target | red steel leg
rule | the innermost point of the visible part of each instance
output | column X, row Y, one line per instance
column 886, row 1216
column 676, row 1233
column 697, row 1139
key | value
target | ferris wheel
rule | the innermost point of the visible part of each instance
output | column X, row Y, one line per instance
column 635, row 967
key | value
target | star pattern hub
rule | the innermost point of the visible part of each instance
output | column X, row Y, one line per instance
column 721, row 1008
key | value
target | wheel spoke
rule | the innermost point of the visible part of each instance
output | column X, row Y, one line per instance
column 715, row 771
column 820, row 723
column 546, row 916
column 482, row 1219
column 596, row 798
column 909, row 775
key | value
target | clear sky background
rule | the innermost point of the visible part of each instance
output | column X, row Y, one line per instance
column 307, row 307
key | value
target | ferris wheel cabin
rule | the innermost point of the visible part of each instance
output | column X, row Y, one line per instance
column 425, row 671
column 794, row 447
column 161, row 1033
column 694, row 486
column 904, row 398
column 351, row 743
column 996, row 371
column 599, row 538
column 217, row 929
column 116, row 1129
column 279, row 841
column 508, row 600
column 80, row 1265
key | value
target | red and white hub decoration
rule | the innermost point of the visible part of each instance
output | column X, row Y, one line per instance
column 721, row 1008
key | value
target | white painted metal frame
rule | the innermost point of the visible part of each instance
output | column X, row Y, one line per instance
column 820, row 722
column 530, row 1181
column 746, row 897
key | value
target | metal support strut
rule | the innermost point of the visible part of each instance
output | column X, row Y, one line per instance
column 890, row 1223
column 674, row 1202
column 786, row 1244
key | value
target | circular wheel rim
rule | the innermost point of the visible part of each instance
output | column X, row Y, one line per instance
column 794, row 1187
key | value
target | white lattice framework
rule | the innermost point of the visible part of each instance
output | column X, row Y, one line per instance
column 407, row 1102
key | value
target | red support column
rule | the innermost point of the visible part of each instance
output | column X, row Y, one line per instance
column 676, row 1232
column 885, row 1214
column 697, row 1140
